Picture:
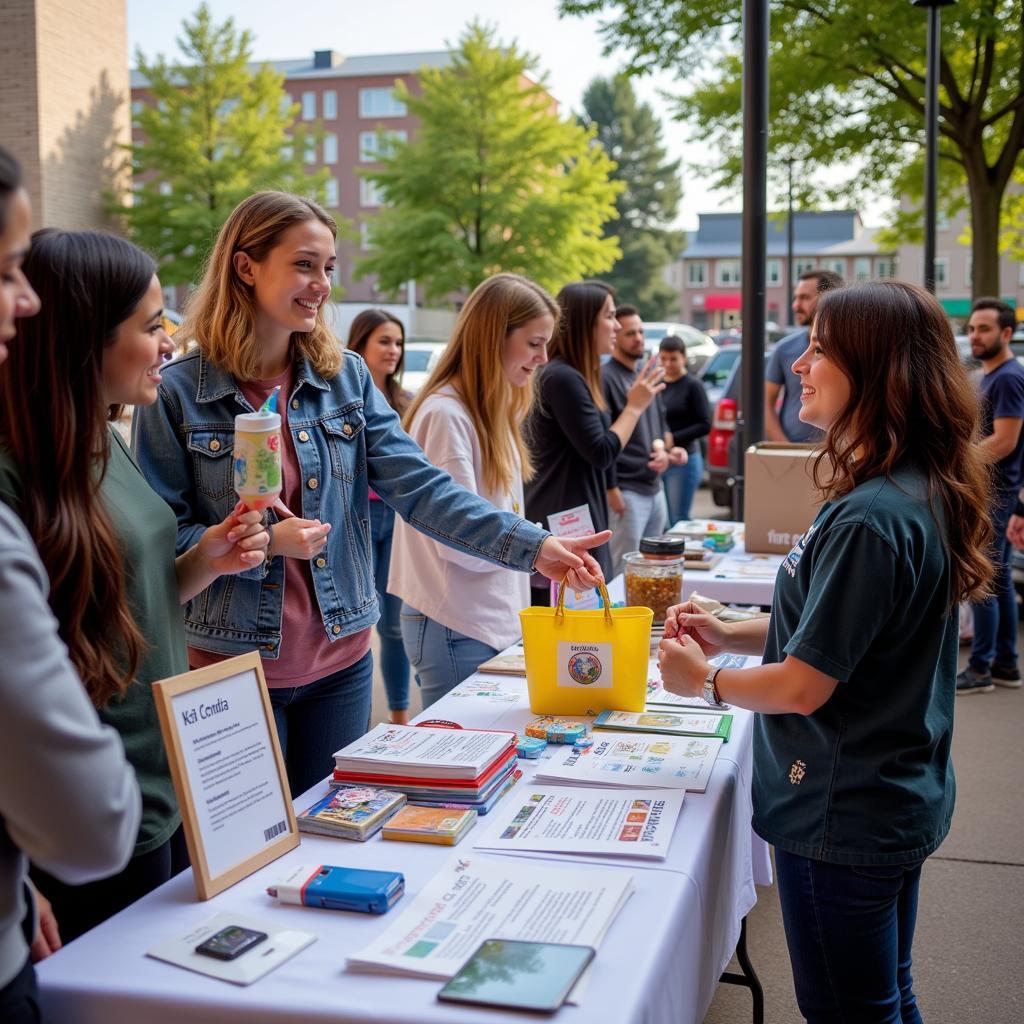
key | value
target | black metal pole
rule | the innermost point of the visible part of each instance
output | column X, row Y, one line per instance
column 789, row 251
column 931, row 133
column 750, row 427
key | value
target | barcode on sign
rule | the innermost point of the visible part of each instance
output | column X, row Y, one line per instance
column 274, row 830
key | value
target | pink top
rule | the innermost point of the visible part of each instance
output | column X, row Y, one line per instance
column 307, row 654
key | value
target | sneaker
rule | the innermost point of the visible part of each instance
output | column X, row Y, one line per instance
column 1006, row 675
column 970, row 681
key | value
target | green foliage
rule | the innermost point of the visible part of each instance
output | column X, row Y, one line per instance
column 648, row 202
column 847, row 90
column 493, row 180
column 213, row 132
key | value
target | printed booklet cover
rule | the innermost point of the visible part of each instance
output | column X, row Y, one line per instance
column 671, row 723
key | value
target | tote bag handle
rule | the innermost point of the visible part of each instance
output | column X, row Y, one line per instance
column 560, row 608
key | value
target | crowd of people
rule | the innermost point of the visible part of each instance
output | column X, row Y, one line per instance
column 426, row 516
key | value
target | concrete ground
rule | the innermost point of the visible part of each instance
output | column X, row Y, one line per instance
column 971, row 918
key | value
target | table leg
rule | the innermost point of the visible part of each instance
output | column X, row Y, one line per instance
column 749, row 978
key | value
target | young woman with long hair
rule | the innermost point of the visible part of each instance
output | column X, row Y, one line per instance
column 853, row 782
column 573, row 443
column 468, row 419
column 257, row 321
column 379, row 338
column 49, row 733
column 106, row 539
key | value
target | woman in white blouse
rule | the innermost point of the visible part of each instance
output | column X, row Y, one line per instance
column 457, row 610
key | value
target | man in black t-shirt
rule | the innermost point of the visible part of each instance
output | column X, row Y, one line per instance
column 994, row 647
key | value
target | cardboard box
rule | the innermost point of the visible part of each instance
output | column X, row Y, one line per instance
column 780, row 499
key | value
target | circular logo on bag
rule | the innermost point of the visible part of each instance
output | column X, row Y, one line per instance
column 585, row 668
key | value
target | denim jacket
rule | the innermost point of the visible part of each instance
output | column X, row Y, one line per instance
column 347, row 439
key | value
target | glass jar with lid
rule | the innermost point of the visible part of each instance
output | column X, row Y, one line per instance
column 654, row 574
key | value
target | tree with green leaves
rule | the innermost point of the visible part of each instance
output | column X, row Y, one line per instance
column 494, row 179
column 649, row 200
column 847, row 90
column 213, row 132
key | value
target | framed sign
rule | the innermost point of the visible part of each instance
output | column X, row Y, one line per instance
column 228, row 773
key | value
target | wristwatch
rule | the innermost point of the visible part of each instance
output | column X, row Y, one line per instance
column 710, row 693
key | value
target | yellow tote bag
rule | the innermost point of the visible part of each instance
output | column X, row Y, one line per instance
column 583, row 662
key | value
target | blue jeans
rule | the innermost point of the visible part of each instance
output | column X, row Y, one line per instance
column 315, row 720
column 681, row 483
column 995, row 618
column 849, row 932
column 394, row 665
column 440, row 657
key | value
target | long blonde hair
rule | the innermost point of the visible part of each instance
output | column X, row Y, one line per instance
column 221, row 315
column 472, row 364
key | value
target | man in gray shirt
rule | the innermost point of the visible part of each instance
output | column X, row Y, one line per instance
column 786, row 425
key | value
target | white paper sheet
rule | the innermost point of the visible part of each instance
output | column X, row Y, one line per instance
column 556, row 819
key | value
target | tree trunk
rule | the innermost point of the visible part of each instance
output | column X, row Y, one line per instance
column 986, row 199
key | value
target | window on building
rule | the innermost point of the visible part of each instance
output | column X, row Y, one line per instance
column 309, row 106
column 697, row 273
column 836, row 266
column 286, row 102
column 774, row 275
column 138, row 106
column 332, row 193
column 369, row 193
column 380, row 103
column 375, row 146
column 727, row 272
column 330, row 148
column 941, row 221
column 330, row 104
column 885, row 267
column 862, row 268
column 310, row 154
column 969, row 272
column 941, row 271
column 365, row 239
column 802, row 265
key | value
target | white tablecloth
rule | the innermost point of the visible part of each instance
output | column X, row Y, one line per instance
column 739, row 578
column 658, row 964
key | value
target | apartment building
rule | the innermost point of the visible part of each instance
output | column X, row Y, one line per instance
column 708, row 274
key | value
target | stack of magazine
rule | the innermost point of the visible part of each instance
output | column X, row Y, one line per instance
column 351, row 812
column 454, row 768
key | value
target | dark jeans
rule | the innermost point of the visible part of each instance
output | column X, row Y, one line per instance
column 315, row 720
column 81, row 907
column 394, row 665
column 19, row 998
column 995, row 618
column 849, row 932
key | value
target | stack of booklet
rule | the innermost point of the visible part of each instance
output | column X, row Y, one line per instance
column 442, row 825
column 453, row 768
column 351, row 812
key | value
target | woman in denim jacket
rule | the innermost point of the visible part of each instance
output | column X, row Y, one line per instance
column 257, row 322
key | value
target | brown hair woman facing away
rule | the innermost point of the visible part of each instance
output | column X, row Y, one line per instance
column 853, row 782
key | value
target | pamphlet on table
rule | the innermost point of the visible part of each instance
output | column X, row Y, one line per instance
column 666, row 723
column 556, row 819
column 473, row 898
column 635, row 761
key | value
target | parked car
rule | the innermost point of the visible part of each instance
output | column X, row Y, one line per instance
column 733, row 337
column 699, row 346
column 420, row 358
column 715, row 372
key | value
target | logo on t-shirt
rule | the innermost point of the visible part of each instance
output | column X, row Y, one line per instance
column 792, row 560
column 797, row 771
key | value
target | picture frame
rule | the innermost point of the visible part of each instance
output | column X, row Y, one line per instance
column 228, row 773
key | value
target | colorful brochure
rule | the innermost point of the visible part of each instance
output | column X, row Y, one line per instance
column 429, row 825
column 351, row 812
column 670, row 723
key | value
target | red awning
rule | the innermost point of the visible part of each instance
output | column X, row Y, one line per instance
column 728, row 300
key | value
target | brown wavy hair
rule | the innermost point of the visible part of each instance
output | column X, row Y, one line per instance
column 472, row 364
column 53, row 423
column 221, row 314
column 364, row 324
column 911, row 403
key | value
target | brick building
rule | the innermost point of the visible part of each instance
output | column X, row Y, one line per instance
column 64, row 105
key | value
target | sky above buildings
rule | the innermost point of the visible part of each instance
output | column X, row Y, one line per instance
column 569, row 50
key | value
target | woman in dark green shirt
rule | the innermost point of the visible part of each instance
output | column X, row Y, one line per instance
column 853, row 782
column 106, row 539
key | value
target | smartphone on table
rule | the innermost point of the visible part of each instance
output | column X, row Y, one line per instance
column 230, row 942
column 519, row 975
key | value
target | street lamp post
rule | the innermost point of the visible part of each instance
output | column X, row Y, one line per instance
column 789, row 250
column 931, row 127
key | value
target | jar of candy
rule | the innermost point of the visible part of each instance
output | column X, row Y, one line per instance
column 654, row 574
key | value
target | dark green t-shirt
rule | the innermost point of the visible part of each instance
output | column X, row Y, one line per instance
column 864, row 598
column 147, row 530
